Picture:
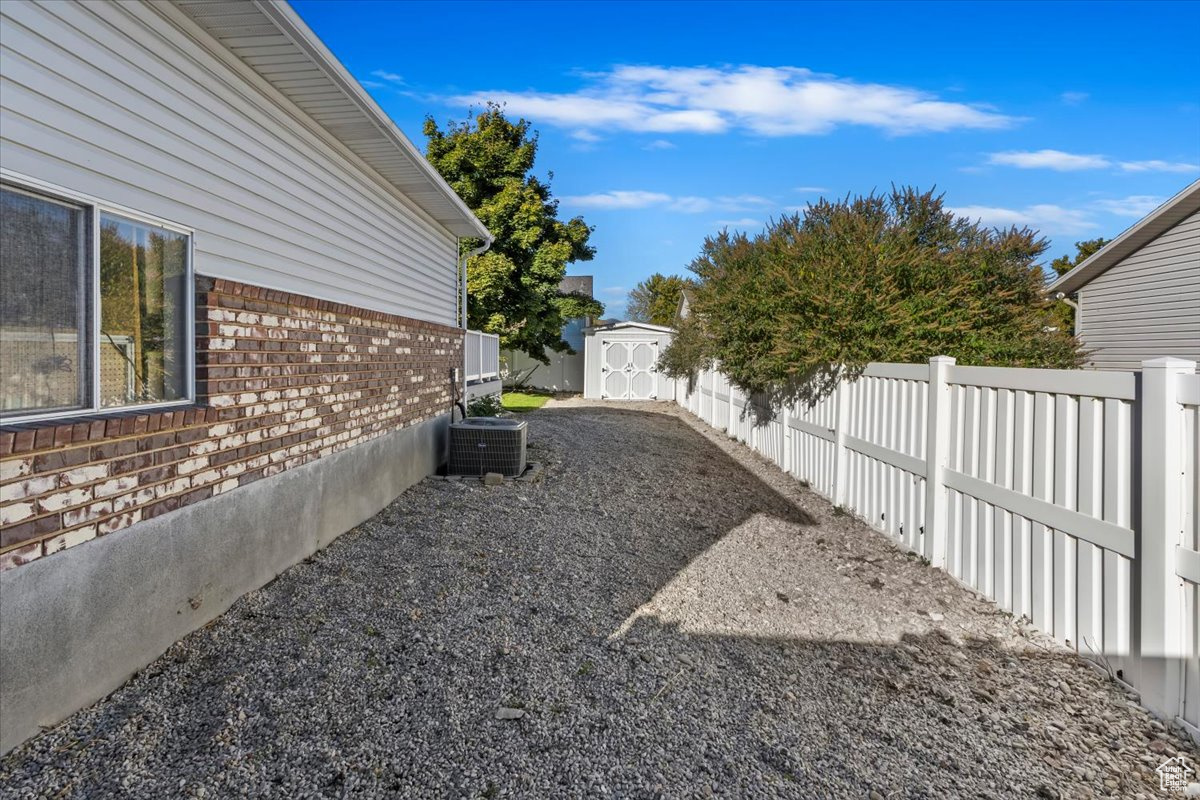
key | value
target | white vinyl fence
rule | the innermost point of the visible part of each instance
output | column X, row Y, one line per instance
column 481, row 356
column 1066, row 496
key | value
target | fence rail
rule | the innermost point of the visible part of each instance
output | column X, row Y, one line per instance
column 1069, row 497
column 481, row 356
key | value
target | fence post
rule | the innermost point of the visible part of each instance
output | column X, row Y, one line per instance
column 841, row 421
column 937, row 452
column 785, row 417
column 1160, row 589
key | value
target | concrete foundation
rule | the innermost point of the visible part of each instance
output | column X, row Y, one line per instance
column 76, row 625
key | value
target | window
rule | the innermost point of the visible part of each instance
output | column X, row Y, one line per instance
column 95, row 308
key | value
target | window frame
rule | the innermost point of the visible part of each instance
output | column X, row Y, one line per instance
column 94, row 207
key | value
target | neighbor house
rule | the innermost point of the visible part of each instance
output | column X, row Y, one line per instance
column 1138, row 297
column 229, row 325
column 564, row 373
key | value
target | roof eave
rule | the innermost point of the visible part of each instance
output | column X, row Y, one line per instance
column 1132, row 239
column 446, row 208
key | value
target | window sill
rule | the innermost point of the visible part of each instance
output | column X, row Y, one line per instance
column 18, row 438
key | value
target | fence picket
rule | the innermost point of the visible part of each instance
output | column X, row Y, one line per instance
column 1091, row 492
column 1041, row 555
column 1065, row 433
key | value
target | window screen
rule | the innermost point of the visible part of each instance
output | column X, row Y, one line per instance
column 44, row 302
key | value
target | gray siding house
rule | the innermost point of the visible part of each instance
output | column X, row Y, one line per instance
column 1139, row 296
column 230, row 325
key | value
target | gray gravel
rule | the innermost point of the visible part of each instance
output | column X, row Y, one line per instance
column 662, row 613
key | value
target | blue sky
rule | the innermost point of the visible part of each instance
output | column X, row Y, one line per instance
column 664, row 122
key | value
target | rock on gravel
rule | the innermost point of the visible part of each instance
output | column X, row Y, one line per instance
column 671, row 616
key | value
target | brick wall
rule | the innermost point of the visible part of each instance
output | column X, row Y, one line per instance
column 282, row 380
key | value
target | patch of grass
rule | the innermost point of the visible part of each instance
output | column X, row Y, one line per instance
column 586, row 668
column 520, row 402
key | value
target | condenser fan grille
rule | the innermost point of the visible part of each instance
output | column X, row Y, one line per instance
column 479, row 445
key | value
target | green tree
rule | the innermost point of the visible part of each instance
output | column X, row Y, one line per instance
column 1083, row 251
column 896, row 277
column 656, row 299
column 1064, row 313
column 513, row 287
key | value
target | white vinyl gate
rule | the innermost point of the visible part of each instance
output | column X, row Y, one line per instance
column 628, row 370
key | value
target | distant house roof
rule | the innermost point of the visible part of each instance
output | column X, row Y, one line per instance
column 272, row 40
column 1136, row 236
column 685, row 305
column 577, row 284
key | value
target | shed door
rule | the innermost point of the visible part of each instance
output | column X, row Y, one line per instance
column 628, row 370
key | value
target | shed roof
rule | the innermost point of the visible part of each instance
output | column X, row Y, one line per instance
column 1136, row 236
column 272, row 39
column 646, row 326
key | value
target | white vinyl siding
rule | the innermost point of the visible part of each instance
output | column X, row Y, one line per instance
column 1148, row 305
column 143, row 108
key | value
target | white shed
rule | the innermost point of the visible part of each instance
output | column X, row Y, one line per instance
column 621, row 362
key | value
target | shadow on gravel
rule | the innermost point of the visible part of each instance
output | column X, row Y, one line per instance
column 662, row 622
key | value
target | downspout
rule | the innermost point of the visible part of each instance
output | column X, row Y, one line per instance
column 463, row 273
column 478, row 251
column 1063, row 297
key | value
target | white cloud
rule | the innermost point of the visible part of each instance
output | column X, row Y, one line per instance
column 742, row 224
column 1061, row 161
column 390, row 77
column 585, row 135
column 659, row 144
column 768, row 101
column 1135, row 205
column 692, row 205
column 810, row 189
column 1048, row 159
column 1073, row 98
column 614, row 291
column 617, row 199
column 685, row 204
column 1155, row 165
column 1045, row 217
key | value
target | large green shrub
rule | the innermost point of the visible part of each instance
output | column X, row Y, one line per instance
column 895, row 277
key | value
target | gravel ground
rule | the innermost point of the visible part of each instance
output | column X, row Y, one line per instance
column 662, row 613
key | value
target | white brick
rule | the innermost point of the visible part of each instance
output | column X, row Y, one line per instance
column 68, row 499
column 191, row 465
column 15, row 468
column 237, row 440
column 70, row 539
column 15, row 512
column 177, row 486
column 28, row 488
column 208, row 476
column 120, row 521
column 203, row 447
column 116, row 485
column 80, row 475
